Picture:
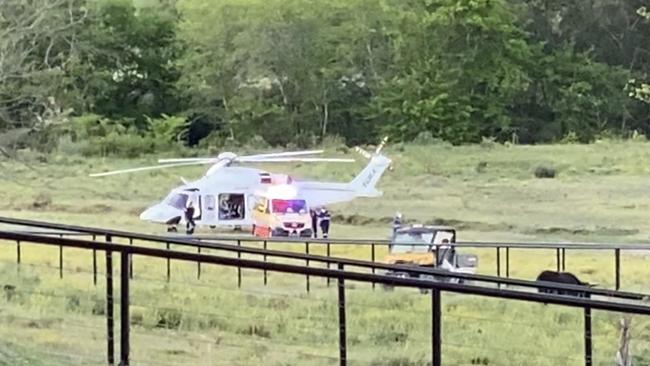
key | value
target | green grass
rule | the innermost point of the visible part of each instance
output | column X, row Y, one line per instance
column 599, row 195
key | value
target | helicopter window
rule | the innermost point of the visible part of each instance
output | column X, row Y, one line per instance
column 260, row 204
column 231, row 206
column 177, row 200
column 289, row 206
column 210, row 202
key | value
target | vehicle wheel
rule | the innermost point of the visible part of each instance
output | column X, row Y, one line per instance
column 213, row 226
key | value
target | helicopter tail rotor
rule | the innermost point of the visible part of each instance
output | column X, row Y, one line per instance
column 378, row 150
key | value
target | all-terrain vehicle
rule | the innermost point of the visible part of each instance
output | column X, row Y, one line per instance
column 416, row 246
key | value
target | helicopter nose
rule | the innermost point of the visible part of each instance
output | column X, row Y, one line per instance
column 160, row 213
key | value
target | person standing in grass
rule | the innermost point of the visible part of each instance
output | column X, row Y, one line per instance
column 397, row 222
column 314, row 223
column 189, row 217
column 324, row 219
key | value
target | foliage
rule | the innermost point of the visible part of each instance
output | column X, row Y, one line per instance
column 295, row 72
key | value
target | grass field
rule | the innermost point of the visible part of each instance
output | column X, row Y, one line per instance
column 488, row 192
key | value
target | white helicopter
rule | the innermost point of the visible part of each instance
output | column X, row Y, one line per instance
column 272, row 204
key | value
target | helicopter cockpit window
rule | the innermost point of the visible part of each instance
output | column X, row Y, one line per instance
column 177, row 200
column 231, row 206
column 288, row 206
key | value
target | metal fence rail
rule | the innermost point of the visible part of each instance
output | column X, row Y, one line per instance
column 343, row 273
column 307, row 258
column 208, row 241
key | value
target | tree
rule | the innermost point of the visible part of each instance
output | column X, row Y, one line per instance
column 642, row 90
column 458, row 67
column 127, row 68
column 278, row 66
column 38, row 41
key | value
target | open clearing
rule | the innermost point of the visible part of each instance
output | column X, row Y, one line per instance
column 601, row 194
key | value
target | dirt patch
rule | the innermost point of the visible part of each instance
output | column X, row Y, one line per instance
column 472, row 225
column 604, row 231
column 458, row 224
column 136, row 211
column 95, row 209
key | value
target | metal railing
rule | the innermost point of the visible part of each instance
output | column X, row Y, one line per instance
column 343, row 272
column 502, row 268
column 307, row 258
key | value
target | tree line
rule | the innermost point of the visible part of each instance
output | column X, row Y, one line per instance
column 145, row 75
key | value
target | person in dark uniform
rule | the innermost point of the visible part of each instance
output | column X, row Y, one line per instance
column 189, row 218
column 324, row 218
column 397, row 222
column 314, row 223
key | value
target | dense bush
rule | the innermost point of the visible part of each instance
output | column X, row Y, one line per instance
column 544, row 172
column 111, row 75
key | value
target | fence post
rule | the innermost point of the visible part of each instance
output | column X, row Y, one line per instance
column 563, row 259
column 169, row 264
column 498, row 261
column 328, row 263
column 557, row 259
column 124, row 310
column 436, row 339
column 61, row 260
column 617, row 260
column 588, row 361
column 265, row 278
column 238, row 267
column 307, row 263
column 110, row 328
column 130, row 260
column 94, row 263
column 18, row 252
column 507, row 262
column 342, row 338
column 372, row 258
column 198, row 264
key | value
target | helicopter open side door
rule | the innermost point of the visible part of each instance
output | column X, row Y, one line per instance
column 227, row 208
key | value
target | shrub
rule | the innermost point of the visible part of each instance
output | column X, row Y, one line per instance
column 42, row 200
column 425, row 138
column 168, row 129
column 544, row 172
column 481, row 166
column 72, row 303
column 169, row 318
column 488, row 142
column 636, row 136
column 570, row 138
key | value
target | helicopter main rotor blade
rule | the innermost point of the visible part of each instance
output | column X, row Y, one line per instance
column 282, row 154
column 154, row 167
column 286, row 160
column 239, row 158
column 181, row 160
